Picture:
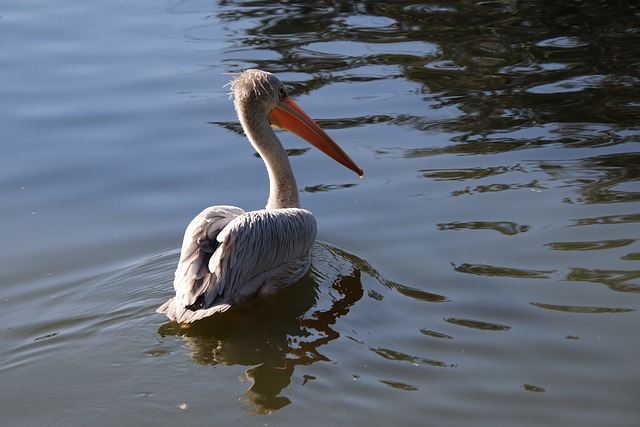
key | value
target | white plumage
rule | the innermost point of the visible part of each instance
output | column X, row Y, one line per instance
column 228, row 255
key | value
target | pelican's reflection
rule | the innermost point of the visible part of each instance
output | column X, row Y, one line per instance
column 275, row 334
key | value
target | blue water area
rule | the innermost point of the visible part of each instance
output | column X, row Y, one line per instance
column 484, row 271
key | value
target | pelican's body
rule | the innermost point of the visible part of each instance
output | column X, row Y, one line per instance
column 230, row 256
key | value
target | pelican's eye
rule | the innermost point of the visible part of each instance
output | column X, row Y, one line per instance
column 282, row 93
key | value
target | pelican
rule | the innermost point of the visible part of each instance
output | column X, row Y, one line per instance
column 230, row 256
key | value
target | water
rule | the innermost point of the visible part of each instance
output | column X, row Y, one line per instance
column 483, row 272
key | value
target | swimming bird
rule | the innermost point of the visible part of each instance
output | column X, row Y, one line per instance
column 230, row 256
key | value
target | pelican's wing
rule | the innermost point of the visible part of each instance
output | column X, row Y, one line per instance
column 260, row 241
column 248, row 249
column 192, row 275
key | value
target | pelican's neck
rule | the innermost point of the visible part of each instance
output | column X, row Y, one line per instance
column 283, row 191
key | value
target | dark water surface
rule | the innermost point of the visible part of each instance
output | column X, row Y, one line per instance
column 485, row 271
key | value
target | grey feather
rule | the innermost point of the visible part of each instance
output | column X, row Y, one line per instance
column 254, row 253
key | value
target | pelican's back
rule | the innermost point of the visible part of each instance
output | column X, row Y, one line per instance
column 229, row 257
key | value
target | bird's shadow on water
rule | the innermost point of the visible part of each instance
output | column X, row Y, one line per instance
column 274, row 335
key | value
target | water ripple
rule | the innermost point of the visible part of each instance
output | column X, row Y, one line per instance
column 581, row 309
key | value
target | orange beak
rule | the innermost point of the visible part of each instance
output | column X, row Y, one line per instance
column 287, row 115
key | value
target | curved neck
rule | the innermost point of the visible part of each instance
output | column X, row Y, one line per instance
column 283, row 191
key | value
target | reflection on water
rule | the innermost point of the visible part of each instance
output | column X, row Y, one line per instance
column 278, row 333
column 507, row 228
column 576, row 309
column 616, row 280
column 590, row 246
column 512, row 63
column 486, row 326
column 601, row 179
column 496, row 271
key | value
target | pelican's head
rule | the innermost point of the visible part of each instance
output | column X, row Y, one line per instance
column 261, row 92
column 257, row 86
